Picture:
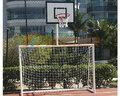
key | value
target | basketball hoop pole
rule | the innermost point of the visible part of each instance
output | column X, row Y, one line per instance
column 57, row 43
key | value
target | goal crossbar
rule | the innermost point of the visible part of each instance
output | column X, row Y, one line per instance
column 82, row 45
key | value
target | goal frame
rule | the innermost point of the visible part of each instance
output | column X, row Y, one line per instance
column 93, row 90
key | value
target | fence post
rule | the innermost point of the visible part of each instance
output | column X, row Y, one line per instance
column 7, row 46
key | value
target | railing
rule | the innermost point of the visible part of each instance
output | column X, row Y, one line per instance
column 99, row 3
column 102, row 8
column 34, row 0
column 23, row 17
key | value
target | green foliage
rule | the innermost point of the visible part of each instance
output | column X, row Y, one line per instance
column 104, row 74
column 17, row 40
column 113, row 61
column 46, row 56
column 79, row 22
column 42, row 58
column 57, row 74
column 107, row 34
column 83, row 69
column 72, row 57
column 12, row 52
column 111, row 40
column 79, row 25
column 10, row 75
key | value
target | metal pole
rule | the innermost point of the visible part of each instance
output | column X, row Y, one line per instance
column 77, row 21
column 78, row 49
column 91, row 39
column 7, row 47
column 52, row 36
column 93, row 60
column 57, row 42
column 28, row 63
column 26, row 23
column 20, row 66
column 88, row 65
column 91, row 35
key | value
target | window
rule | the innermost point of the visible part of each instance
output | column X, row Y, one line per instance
column 33, row 30
column 98, row 16
column 83, row 5
column 112, row 15
column 81, row 1
column 32, row 13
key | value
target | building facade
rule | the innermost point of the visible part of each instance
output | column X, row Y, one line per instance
column 103, row 9
column 15, row 18
column 14, row 14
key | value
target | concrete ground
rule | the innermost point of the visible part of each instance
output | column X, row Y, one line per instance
column 99, row 92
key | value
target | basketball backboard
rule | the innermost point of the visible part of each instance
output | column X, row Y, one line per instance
column 55, row 8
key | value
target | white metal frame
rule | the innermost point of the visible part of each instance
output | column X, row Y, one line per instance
column 32, row 46
column 50, row 12
column 20, row 61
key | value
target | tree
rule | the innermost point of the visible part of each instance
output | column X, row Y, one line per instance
column 111, row 41
column 78, row 25
column 107, row 34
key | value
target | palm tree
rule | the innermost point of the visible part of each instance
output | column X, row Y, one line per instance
column 78, row 25
column 111, row 41
column 107, row 34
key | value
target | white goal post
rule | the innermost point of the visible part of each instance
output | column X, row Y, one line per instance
column 45, row 68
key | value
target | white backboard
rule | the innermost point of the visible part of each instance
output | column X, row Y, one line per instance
column 54, row 8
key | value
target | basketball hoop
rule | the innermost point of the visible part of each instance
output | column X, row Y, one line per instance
column 63, row 19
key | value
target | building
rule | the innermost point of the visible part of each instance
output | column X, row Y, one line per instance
column 15, row 18
column 103, row 9
column 14, row 14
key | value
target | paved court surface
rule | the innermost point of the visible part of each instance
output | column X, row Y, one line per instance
column 99, row 92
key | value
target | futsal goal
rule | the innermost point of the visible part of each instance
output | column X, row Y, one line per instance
column 45, row 68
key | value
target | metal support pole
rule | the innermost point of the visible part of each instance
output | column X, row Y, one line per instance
column 7, row 47
column 91, row 36
column 88, row 66
column 77, row 21
column 93, row 60
column 91, row 40
column 20, row 66
column 57, row 42
column 26, row 22
column 78, row 75
column 52, row 36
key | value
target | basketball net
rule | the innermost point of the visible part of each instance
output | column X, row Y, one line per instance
column 63, row 19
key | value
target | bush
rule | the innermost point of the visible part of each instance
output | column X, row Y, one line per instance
column 113, row 61
column 58, row 74
column 104, row 74
column 15, row 41
column 52, row 74
column 13, row 59
column 10, row 75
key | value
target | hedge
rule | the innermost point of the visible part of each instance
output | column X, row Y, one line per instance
column 10, row 75
column 104, row 74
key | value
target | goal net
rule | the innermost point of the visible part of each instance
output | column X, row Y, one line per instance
column 56, row 67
